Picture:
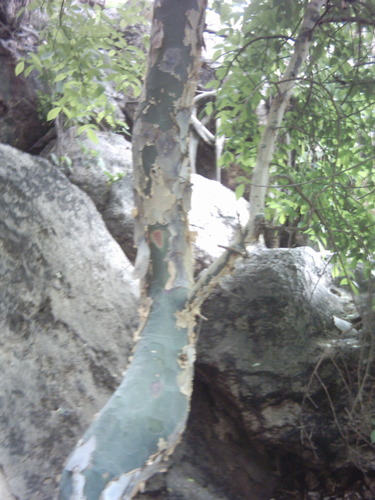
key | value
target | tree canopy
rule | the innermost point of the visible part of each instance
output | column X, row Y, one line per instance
column 322, row 179
column 82, row 47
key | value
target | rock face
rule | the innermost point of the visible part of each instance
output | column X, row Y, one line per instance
column 214, row 217
column 94, row 167
column 67, row 312
column 271, row 397
column 20, row 123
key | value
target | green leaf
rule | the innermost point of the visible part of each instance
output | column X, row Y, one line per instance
column 19, row 68
column 209, row 109
column 53, row 113
column 217, row 54
column 354, row 287
column 100, row 116
column 35, row 60
column 28, row 70
column 92, row 135
column 60, row 77
column 225, row 12
column 67, row 112
column 240, row 191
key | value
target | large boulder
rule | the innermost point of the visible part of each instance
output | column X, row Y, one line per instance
column 103, row 170
column 92, row 166
column 67, row 314
column 21, row 125
column 275, row 410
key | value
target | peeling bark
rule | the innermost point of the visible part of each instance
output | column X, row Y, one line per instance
column 141, row 424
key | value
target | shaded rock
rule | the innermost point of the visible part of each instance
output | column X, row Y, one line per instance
column 216, row 459
column 270, row 407
column 272, row 349
column 67, row 313
column 92, row 166
column 118, row 215
column 282, row 307
column 20, row 123
column 102, row 170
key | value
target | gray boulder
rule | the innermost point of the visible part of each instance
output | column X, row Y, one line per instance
column 91, row 166
column 67, row 314
column 273, row 407
column 103, row 170
column 215, row 213
column 215, row 216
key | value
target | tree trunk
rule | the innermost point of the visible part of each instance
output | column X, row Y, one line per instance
column 142, row 422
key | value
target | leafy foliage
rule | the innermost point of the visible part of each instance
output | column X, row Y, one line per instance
column 322, row 171
column 81, row 50
column 322, row 181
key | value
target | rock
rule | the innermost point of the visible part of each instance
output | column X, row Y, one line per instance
column 263, row 347
column 214, row 217
column 67, row 312
column 282, row 309
column 20, row 122
column 93, row 167
column 269, row 372
column 118, row 215
column 270, row 347
column 102, row 170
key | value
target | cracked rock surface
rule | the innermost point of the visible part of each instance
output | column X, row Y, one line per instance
column 67, row 314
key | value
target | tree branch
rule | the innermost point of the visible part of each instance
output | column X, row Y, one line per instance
column 348, row 19
column 260, row 177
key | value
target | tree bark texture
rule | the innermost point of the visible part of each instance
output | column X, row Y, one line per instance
column 141, row 424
